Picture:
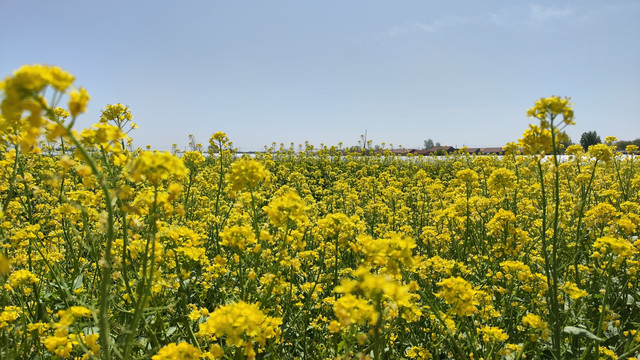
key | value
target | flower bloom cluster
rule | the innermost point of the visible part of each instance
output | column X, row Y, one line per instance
column 287, row 209
column 156, row 166
column 181, row 351
column 246, row 173
column 242, row 324
column 458, row 293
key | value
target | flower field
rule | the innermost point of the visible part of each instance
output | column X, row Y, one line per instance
column 109, row 252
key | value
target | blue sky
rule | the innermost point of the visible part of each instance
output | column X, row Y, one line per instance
column 458, row 72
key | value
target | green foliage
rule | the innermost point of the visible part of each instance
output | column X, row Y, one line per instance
column 589, row 138
column 622, row 144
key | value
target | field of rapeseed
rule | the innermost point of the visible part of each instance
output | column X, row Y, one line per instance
column 114, row 253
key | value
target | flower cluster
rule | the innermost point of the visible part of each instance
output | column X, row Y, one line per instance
column 242, row 324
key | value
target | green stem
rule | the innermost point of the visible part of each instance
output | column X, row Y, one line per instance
column 105, row 262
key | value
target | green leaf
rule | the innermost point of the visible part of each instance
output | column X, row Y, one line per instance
column 584, row 333
column 171, row 330
column 77, row 283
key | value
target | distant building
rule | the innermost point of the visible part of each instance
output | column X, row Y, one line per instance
column 401, row 151
column 492, row 151
column 437, row 150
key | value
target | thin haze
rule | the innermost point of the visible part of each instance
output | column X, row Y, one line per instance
column 458, row 72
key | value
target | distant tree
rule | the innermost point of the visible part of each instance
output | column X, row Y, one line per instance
column 428, row 144
column 589, row 138
column 438, row 143
column 622, row 144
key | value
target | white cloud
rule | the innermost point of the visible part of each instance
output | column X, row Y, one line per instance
column 515, row 16
column 439, row 25
column 541, row 13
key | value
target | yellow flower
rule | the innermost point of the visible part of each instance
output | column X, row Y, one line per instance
column 67, row 317
column 38, row 327
column 617, row 246
column 574, row 149
column 607, row 353
column 381, row 288
column 5, row 265
column 549, row 108
column 181, row 351
column 287, row 209
column 218, row 140
column 458, row 292
column 101, row 134
column 91, row 342
column 193, row 159
column 394, row 252
column 219, row 136
column 511, row 148
column 601, row 152
column 59, row 344
column 573, row 290
column 241, row 323
column 117, row 113
column 28, row 82
column 492, row 334
column 156, row 166
column 333, row 326
column 500, row 222
column 216, row 351
column 20, row 277
column 9, row 314
column 467, row 176
column 246, row 173
column 536, row 140
column 238, row 236
column 419, row 353
column 534, row 321
column 78, row 100
column 338, row 225
column 350, row 310
column 502, row 179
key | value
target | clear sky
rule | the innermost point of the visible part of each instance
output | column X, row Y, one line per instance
column 458, row 72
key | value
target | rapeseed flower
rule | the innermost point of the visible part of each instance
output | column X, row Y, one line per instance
column 8, row 315
column 246, row 173
column 238, row 237
column 156, row 166
column 459, row 293
column 78, row 100
column 617, row 246
column 394, row 252
column 180, row 351
column 242, row 324
column 600, row 152
column 352, row 310
column 287, row 209
column 59, row 344
column 22, row 277
column 492, row 334
column 573, row 291
column 534, row 321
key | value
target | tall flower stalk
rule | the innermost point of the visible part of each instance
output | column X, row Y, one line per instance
column 542, row 140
